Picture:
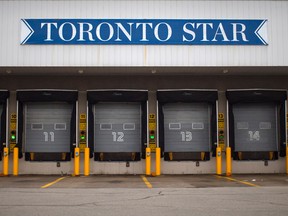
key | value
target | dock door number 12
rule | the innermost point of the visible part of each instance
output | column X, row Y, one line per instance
column 118, row 136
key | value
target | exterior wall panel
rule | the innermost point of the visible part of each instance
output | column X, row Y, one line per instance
column 14, row 54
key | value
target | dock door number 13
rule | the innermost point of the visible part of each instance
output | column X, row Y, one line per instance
column 186, row 136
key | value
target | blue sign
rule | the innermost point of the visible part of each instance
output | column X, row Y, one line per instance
column 144, row 31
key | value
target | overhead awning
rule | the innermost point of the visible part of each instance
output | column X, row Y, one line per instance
column 4, row 94
column 187, row 95
column 255, row 95
column 94, row 96
column 47, row 95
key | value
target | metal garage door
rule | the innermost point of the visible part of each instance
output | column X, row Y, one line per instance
column 117, row 127
column 47, row 127
column 187, row 127
column 255, row 127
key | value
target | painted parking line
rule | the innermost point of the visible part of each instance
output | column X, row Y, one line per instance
column 148, row 184
column 239, row 181
column 52, row 183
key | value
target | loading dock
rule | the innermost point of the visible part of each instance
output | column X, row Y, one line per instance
column 117, row 124
column 257, row 124
column 187, row 124
column 47, row 124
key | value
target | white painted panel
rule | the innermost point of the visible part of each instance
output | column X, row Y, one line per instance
column 14, row 54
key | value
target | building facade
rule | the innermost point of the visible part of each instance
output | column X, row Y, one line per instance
column 114, row 76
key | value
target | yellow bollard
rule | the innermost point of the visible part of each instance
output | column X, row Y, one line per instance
column 87, row 162
column 148, row 161
column 5, row 161
column 15, row 161
column 228, row 162
column 76, row 161
column 218, row 161
column 158, row 161
column 287, row 159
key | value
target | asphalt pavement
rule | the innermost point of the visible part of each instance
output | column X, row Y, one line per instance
column 144, row 195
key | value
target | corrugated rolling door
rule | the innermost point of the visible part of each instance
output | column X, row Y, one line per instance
column 47, row 124
column 256, row 124
column 47, row 127
column 255, row 127
column 117, row 127
column 187, row 124
column 117, row 124
column 4, row 94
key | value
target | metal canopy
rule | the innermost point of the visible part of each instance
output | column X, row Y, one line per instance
column 255, row 95
column 94, row 96
column 47, row 95
column 187, row 95
column 4, row 94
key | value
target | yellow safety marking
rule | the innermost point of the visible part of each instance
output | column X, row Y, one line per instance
column 52, row 183
column 239, row 181
column 220, row 115
column 152, row 116
column 148, row 184
column 82, row 116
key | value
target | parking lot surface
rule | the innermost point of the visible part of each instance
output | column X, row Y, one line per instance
column 142, row 181
column 144, row 195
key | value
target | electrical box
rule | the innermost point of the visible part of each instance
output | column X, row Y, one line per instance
column 152, row 132
column 82, row 131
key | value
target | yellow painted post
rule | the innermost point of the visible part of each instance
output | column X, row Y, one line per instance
column 158, row 161
column 148, row 161
column 218, row 161
column 76, row 161
column 228, row 162
column 5, row 161
column 86, row 162
column 287, row 159
column 15, row 161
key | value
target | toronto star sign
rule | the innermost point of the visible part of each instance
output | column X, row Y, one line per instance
column 144, row 31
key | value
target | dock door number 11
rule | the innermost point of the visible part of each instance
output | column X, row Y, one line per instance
column 46, row 136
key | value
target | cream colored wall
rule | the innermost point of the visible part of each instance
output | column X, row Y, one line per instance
column 13, row 54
